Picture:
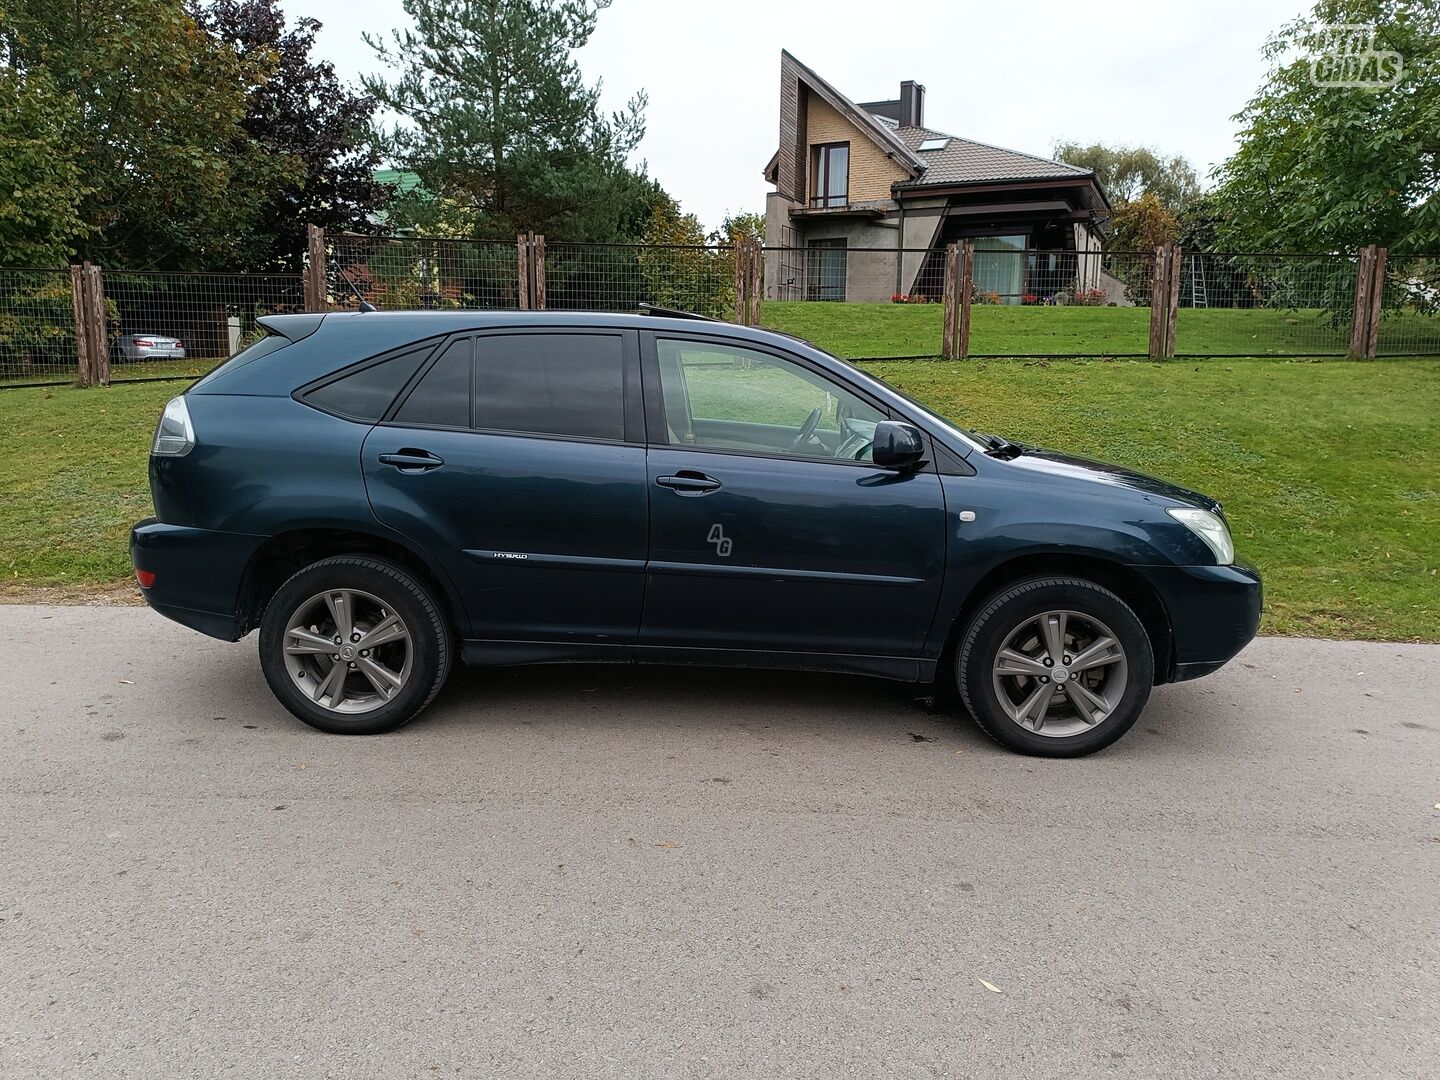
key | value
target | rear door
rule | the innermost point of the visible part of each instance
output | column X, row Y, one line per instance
column 517, row 459
column 771, row 528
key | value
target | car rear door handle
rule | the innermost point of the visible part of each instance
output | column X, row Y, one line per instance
column 688, row 482
column 411, row 460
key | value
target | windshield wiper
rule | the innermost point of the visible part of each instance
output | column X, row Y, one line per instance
column 998, row 447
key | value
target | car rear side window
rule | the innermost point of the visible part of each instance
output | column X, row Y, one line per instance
column 551, row 384
column 367, row 393
column 442, row 397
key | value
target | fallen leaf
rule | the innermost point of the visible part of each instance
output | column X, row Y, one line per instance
column 667, row 844
column 990, row 986
column 128, row 682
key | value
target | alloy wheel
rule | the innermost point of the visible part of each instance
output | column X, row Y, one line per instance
column 1060, row 673
column 347, row 651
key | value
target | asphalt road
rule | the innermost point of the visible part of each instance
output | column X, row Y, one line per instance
column 628, row 872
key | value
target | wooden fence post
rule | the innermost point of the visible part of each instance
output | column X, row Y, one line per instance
column 537, row 270
column 741, row 255
column 97, row 324
column 1172, row 298
column 522, row 270
column 950, row 296
column 1159, row 302
column 1364, row 283
column 316, row 280
column 967, row 287
column 1377, row 301
column 82, row 332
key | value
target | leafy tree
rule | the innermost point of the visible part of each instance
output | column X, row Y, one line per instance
column 299, row 111
column 1143, row 225
column 41, row 218
column 170, row 178
column 499, row 124
column 680, row 270
column 1128, row 172
column 1333, row 168
column 746, row 225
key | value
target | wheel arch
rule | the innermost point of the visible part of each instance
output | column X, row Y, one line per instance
column 1124, row 581
column 280, row 556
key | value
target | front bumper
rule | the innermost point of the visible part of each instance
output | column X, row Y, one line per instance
column 1214, row 613
column 198, row 574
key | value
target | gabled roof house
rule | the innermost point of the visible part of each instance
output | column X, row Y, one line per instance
column 873, row 177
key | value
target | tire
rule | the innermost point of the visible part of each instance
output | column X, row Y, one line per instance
column 412, row 645
column 1017, row 702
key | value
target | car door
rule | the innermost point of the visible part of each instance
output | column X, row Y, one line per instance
column 517, row 459
column 770, row 528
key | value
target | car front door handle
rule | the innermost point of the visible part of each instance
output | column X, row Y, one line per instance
column 687, row 482
column 409, row 460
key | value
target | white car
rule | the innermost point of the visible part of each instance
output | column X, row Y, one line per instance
column 151, row 347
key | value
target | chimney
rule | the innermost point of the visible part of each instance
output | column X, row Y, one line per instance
column 912, row 104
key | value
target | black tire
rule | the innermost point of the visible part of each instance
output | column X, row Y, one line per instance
column 1009, row 609
column 430, row 642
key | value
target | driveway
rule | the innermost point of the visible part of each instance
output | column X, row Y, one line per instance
column 628, row 872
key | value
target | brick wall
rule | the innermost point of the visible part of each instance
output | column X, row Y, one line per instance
column 871, row 172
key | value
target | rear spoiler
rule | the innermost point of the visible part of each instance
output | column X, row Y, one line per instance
column 292, row 327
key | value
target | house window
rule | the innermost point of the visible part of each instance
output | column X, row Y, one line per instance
column 830, row 175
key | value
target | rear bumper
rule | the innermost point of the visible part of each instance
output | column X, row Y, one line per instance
column 1214, row 613
column 198, row 574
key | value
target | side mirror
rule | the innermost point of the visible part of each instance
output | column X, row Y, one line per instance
column 897, row 446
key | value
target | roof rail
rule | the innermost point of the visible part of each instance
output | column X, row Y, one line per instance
column 672, row 313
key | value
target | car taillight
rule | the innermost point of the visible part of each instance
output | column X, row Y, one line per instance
column 177, row 344
column 174, row 436
column 146, row 578
column 144, row 342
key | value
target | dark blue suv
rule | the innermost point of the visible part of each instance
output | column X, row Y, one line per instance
column 377, row 492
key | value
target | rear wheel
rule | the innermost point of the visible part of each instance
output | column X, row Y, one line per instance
column 354, row 645
column 1055, row 666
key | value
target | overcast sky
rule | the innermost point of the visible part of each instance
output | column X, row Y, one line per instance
column 1022, row 75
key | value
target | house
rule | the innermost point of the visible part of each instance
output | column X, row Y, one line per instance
column 867, row 196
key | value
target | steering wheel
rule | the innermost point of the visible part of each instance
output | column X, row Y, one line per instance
column 806, row 430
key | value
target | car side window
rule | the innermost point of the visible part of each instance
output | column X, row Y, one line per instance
column 551, row 384
column 442, row 397
column 733, row 398
column 367, row 393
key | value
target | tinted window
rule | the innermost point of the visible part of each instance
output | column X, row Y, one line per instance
column 367, row 393
column 551, row 384
column 442, row 397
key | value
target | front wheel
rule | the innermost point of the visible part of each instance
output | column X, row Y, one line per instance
column 1055, row 666
column 354, row 645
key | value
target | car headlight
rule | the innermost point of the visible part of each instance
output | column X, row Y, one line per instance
column 1210, row 527
column 174, row 437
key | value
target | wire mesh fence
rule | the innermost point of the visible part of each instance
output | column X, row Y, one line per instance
column 161, row 324
column 37, row 326
column 621, row 277
column 424, row 273
column 1265, row 305
column 1410, row 307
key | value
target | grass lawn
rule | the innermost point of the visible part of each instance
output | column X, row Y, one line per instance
column 862, row 330
column 1330, row 471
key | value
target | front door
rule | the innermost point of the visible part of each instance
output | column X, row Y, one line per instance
column 770, row 527
column 509, row 461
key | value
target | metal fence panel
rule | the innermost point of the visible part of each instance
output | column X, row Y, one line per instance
column 1410, row 307
column 621, row 277
column 411, row 273
column 1265, row 305
column 163, row 325
column 37, row 327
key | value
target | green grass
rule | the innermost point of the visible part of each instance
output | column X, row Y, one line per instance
column 861, row 330
column 149, row 369
column 1330, row 471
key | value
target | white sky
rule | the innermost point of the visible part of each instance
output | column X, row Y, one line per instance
column 1023, row 75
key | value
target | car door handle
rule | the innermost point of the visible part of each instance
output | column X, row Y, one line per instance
column 687, row 482
column 410, row 460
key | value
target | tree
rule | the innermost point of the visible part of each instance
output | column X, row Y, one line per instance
column 1143, row 225
column 746, row 225
column 499, row 124
column 298, row 111
column 170, row 178
column 1332, row 168
column 680, row 270
column 1128, row 172
column 42, row 220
